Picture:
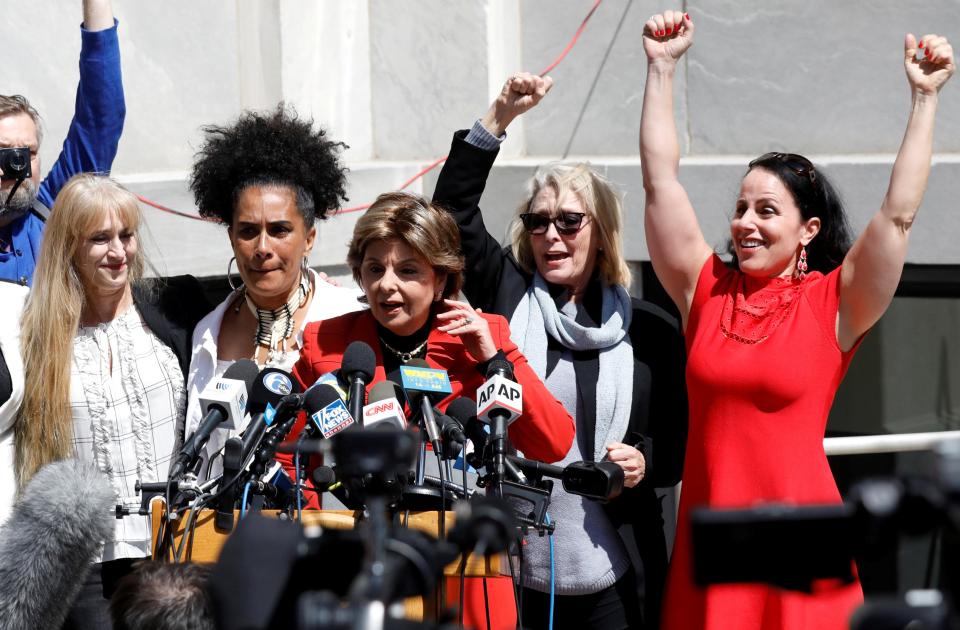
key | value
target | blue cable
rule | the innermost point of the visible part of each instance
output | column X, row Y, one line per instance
column 546, row 519
column 296, row 474
column 243, row 502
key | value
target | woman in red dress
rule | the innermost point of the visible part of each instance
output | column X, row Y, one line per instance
column 770, row 339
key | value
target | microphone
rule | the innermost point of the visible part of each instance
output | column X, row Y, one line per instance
column 269, row 388
column 326, row 410
column 499, row 402
column 421, row 380
column 223, row 401
column 49, row 542
column 359, row 363
column 601, row 481
column 384, row 410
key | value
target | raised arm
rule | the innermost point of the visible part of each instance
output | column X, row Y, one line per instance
column 676, row 244
column 97, row 15
column 463, row 179
column 100, row 109
column 871, row 270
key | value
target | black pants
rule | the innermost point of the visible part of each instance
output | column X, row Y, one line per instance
column 616, row 607
column 91, row 610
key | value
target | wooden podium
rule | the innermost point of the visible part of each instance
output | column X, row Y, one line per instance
column 205, row 543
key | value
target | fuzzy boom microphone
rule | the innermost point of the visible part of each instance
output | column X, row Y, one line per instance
column 47, row 545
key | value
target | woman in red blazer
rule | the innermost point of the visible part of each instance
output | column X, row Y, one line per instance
column 405, row 254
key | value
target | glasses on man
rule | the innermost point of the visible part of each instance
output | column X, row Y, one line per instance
column 565, row 222
column 796, row 163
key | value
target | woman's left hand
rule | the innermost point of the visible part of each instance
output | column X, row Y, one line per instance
column 630, row 459
column 463, row 321
column 928, row 74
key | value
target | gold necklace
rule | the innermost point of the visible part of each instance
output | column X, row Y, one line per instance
column 404, row 356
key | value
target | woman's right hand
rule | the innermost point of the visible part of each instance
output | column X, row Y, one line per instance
column 667, row 35
column 521, row 92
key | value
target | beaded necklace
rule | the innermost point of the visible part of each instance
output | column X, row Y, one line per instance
column 275, row 327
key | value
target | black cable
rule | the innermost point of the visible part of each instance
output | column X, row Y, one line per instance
column 486, row 602
column 442, row 530
column 513, row 582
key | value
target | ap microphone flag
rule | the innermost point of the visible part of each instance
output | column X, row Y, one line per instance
column 500, row 395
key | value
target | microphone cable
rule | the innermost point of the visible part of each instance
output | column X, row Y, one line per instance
column 546, row 519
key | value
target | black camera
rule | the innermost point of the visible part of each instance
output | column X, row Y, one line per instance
column 15, row 163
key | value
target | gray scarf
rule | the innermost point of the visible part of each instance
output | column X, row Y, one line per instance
column 537, row 316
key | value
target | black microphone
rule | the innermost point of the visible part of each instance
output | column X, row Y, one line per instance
column 50, row 541
column 269, row 388
column 423, row 382
column 224, row 402
column 499, row 402
column 359, row 363
column 601, row 481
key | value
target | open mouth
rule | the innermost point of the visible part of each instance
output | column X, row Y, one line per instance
column 750, row 243
column 116, row 267
column 391, row 307
column 555, row 256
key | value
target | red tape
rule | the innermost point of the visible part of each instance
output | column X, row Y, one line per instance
column 433, row 164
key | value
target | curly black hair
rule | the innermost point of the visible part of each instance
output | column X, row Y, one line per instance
column 263, row 149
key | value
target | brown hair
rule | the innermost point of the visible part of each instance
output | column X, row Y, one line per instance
column 16, row 104
column 410, row 219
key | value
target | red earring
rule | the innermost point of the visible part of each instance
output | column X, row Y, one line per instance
column 801, row 272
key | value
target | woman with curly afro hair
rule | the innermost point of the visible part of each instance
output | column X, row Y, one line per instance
column 267, row 177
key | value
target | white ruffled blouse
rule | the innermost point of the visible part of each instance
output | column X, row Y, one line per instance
column 126, row 394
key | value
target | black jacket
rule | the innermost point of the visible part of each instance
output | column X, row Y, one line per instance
column 172, row 307
column 496, row 282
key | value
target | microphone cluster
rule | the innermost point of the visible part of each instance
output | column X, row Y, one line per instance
column 371, row 440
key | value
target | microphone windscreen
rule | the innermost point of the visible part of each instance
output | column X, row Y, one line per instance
column 359, row 357
column 270, row 386
column 54, row 533
column 243, row 370
column 500, row 366
column 383, row 390
column 318, row 397
column 462, row 409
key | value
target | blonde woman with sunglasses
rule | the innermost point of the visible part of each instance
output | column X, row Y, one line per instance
column 769, row 340
column 615, row 362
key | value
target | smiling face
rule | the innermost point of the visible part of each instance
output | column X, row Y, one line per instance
column 104, row 257
column 767, row 228
column 567, row 260
column 270, row 239
column 400, row 285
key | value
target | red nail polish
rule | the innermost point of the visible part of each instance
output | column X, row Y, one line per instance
column 921, row 43
column 669, row 30
column 686, row 15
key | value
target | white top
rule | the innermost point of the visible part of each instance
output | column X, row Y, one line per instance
column 12, row 296
column 327, row 301
column 126, row 395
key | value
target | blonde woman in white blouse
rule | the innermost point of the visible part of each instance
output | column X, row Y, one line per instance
column 105, row 356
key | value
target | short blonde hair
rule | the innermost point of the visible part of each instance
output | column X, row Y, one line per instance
column 410, row 219
column 601, row 201
column 43, row 430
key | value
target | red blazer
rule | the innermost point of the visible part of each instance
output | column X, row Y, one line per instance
column 545, row 430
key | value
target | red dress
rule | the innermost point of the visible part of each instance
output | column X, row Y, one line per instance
column 763, row 366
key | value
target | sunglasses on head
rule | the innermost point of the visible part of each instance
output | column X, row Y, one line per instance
column 796, row 163
column 565, row 222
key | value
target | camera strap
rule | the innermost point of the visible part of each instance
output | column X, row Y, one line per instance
column 40, row 210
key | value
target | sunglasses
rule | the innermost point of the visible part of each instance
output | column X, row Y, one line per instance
column 796, row 163
column 565, row 222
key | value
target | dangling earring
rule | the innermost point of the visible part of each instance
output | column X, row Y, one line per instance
column 229, row 279
column 801, row 271
column 304, row 268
